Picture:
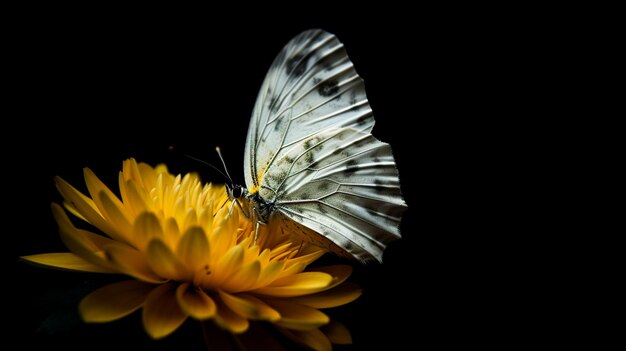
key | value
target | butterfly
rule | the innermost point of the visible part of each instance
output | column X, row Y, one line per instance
column 311, row 162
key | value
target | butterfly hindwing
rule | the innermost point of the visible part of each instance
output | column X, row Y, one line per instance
column 310, row 151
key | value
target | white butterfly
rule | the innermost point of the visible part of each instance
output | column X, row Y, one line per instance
column 311, row 161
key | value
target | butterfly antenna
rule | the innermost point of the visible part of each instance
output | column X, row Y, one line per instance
column 208, row 164
column 219, row 153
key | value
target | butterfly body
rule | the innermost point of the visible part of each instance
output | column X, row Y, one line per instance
column 311, row 162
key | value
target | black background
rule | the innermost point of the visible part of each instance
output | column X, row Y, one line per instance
column 93, row 91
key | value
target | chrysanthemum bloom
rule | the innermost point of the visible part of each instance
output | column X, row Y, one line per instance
column 191, row 254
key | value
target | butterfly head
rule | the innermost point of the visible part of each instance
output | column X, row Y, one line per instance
column 236, row 191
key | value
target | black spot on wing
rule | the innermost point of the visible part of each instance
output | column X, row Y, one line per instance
column 371, row 212
column 295, row 65
column 362, row 120
column 307, row 144
column 321, row 208
column 308, row 157
column 353, row 98
column 278, row 123
column 351, row 167
column 328, row 88
column 378, row 186
column 273, row 106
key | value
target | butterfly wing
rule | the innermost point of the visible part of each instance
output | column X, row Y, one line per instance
column 310, row 150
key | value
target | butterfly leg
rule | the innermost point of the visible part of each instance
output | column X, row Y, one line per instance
column 256, row 232
column 232, row 205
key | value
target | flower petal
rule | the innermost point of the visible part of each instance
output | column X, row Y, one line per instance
column 341, row 295
column 114, row 301
column 172, row 232
column 195, row 302
column 296, row 316
column 161, row 313
column 193, row 248
column 337, row 333
column 269, row 273
column 138, row 197
column 164, row 263
column 297, row 284
column 148, row 174
column 243, row 279
column 228, row 264
column 86, row 207
column 222, row 240
column 145, row 228
column 83, row 243
column 290, row 270
column 131, row 262
column 229, row 320
column 308, row 258
column 249, row 306
column 339, row 273
column 313, row 339
column 65, row 260
column 96, row 186
column 131, row 171
column 114, row 212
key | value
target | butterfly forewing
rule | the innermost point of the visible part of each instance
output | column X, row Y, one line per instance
column 310, row 152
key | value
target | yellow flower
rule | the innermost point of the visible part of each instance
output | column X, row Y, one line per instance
column 192, row 254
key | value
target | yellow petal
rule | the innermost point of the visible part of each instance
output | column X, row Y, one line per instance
column 161, row 313
column 164, row 263
column 73, row 210
column 229, row 320
column 205, row 218
column 308, row 258
column 243, row 279
column 339, row 273
column 341, row 295
column 337, row 333
column 270, row 273
column 65, row 260
column 115, row 214
column 193, row 248
column 131, row 171
column 297, row 284
column 290, row 270
column 145, row 228
column 114, row 301
column 172, row 232
column 191, row 219
column 222, row 240
column 249, row 306
column 228, row 264
column 195, row 302
column 96, row 186
column 86, row 207
column 131, row 262
column 85, row 244
column 313, row 339
column 136, row 198
column 296, row 316
column 148, row 175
